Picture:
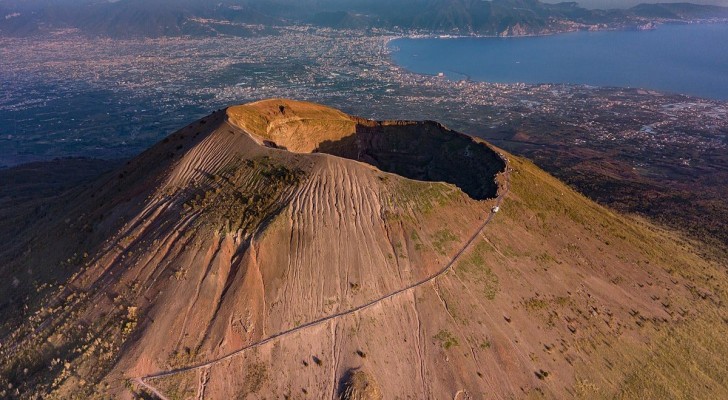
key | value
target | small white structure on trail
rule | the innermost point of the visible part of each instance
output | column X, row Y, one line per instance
column 495, row 209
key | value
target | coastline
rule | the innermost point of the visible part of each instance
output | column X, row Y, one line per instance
column 655, row 25
column 493, row 72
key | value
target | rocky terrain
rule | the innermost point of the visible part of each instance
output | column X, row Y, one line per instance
column 283, row 249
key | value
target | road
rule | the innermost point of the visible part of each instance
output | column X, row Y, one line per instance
column 504, row 190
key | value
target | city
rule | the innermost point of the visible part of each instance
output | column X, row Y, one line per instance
column 71, row 95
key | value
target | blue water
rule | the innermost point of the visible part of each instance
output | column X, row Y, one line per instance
column 687, row 59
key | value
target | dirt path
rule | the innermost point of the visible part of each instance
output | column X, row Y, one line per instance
column 444, row 270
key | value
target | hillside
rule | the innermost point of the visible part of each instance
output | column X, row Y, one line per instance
column 679, row 11
column 198, row 18
column 283, row 249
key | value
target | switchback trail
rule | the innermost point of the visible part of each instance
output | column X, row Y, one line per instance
column 444, row 270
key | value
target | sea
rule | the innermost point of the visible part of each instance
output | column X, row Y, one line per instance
column 686, row 59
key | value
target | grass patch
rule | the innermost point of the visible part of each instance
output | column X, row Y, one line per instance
column 242, row 194
column 256, row 375
column 442, row 240
column 474, row 267
column 686, row 361
column 179, row 386
column 181, row 358
column 535, row 304
column 423, row 197
column 446, row 339
column 545, row 258
column 416, row 240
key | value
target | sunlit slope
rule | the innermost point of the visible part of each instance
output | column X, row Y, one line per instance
column 613, row 305
column 558, row 298
column 218, row 265
column 211, row 242
column 294, row 125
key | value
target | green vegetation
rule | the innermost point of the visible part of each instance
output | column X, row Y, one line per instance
column 423, row 197
column 535, row 304
column 416, row 240
column 180, row 274
column 545, row 258
column 447, row 340
column 474, row 267
column 68, row 354
column 685, row 361
column 257, row 374
column 181, row 358
column 442, row 240
column 243, row 194
column 130, row 322
column 682, row 357
column 179, row 386
column 399, row 250
column 359, row 385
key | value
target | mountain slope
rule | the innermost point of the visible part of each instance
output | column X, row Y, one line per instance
column 679, row 11
column 197, row 213
column 156, row 18
column 285, row 249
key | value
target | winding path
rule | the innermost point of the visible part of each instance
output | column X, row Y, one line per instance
column 444, row 270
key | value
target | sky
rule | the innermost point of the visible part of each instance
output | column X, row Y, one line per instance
column 629, row 3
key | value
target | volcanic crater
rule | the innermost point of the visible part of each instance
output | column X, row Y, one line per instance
column 420, row 150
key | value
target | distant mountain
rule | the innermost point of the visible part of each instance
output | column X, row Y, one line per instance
column 471, row 16
column 679, row 11
column 154, row 18
column 502, row 17
column 128, row 18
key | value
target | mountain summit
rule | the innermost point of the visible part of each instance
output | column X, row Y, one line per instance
column 284, row 249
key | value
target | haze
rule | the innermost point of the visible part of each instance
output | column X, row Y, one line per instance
column 606, row 4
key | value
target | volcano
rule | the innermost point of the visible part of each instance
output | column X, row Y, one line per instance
column 284, row 249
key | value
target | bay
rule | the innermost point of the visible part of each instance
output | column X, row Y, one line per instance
column 686, row 59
